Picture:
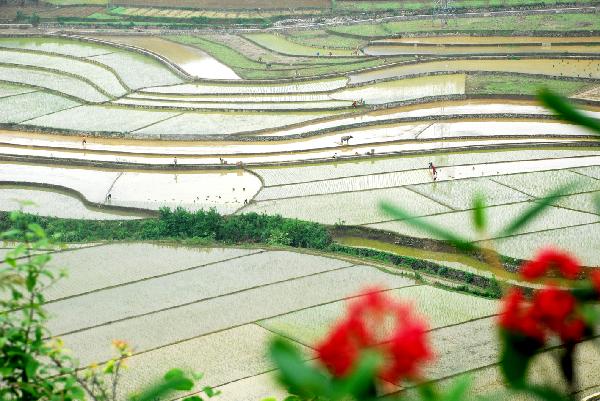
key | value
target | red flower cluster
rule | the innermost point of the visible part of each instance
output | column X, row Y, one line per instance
column 404, row 348
column 552, row 311
column 548, row 259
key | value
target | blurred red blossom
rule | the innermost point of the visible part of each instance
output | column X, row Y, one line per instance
column 404, row 347
column 551, row 311
column 548, row 259
column 516, row 316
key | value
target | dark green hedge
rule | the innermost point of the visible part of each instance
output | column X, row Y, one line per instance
column 181, row 224
column 491, row 287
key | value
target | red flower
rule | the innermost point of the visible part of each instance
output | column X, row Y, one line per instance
column 407, row 347
column 552, row 311
column 548, row 259
column 341, row 349
column 595, row 276
column 517, row 317
column 572, row 331
column 552, row 306
column 404, row 348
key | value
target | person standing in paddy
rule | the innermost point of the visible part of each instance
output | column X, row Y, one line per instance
column 433, row 171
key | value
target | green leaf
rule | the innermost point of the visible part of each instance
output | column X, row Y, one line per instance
column 564, row 110
column 299, row 378
column 479, row 220
column 109, row 367
column 31, row 367
column 77, row 393
column 181, row 384
column 360, row 384
column 172, row 381
column 590, row 312
column 534, row 210
column 30, row 282
column 428, row 392
column 421, row 224
column 209, row 391
column 515, row 358
column 10, row 233
column 458, row 391
column 174, row 374
column 37, row 230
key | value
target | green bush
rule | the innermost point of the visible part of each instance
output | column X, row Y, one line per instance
column 181, row 224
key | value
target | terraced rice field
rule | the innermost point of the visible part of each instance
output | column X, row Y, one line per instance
column 335, row 125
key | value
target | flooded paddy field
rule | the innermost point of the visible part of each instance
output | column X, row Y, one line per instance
column 146, row 190
column 191, row 60
column 57, row 203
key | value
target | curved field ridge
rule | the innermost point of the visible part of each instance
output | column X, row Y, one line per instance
column 292, row 106
column 205, row 89
column 393, row 139
column 286, row 97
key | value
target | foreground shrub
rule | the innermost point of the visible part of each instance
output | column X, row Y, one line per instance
column 35, row 367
